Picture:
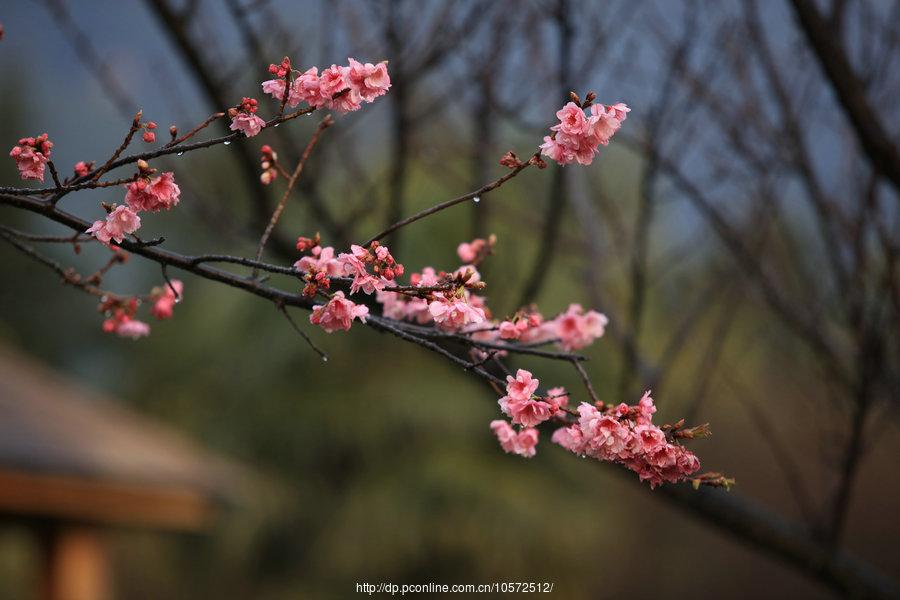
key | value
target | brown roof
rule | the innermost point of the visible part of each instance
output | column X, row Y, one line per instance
column 68, row 451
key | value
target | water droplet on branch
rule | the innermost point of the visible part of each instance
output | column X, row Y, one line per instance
column 476, row 199
column 181, row 153
column 226, row 142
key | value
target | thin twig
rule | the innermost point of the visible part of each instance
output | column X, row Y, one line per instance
column 586, row 380
column 135, row 126
column 295, row 176
column 452, row 202
column 209, row 120
column 281, row 307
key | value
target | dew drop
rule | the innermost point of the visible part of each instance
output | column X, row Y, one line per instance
column 309, row 114
column 178, row 299
column 324, row 359
column 226, row 143
column 276, row 124
column 476, row 199
column 180, row 153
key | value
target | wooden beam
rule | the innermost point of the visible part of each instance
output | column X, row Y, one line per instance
column 102, row 502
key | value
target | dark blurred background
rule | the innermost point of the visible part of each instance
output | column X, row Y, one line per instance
column 741, row 232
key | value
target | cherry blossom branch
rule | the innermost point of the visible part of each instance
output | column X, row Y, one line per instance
column 465, row 339
column 135, row 126
column 59, row 239
column 476, row 195
column 209, row 120
column 68, row 276
column 84, row 182
column 295, row 176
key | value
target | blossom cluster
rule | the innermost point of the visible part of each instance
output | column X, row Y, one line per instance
column 577, row 136
column 342, row 88
column 244, row 119
column 357, row 262
column 521, row 404
column 621, row 434
column 149, row 135
column 474, row 252
column 147, row 193
column 338, row 313
column 31, row 155
column 121, row 313
column 526, row 410
column 626, row 435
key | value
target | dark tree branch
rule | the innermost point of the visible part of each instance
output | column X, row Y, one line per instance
column 872, row 134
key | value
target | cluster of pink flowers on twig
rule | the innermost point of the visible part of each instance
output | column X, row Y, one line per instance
column 626, row 435
column 341, row 88
column 357, row 262
column 165, row 298
column 149, row 135
column 121, row 312
column 449, row 301
column 82, row 168
column 31, row 155
column 120, row 221
column 577, row 137
column 244, row 119
column 522, row 442
column 152, row 194
column 526, row 410
column 147, row 193
column 338, row 313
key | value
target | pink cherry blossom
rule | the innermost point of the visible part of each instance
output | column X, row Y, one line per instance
column 469, row 252
column 123, row 323
column 306, row 87
column 528, row 412
column 82, row 168
column 342, row 88
column 369, row 80
column 625, row 435
column 572, row 120
column 338, row 313
column 557, row 398
column 332, row 81
column 454, row 313
column 168, row 297
column 275, row 88
column 247, row 123
column 522, row 443
column 576, row 137
column 349, row 101
column 512, row 331
column 119, row 222
column 132, row 328
column 153, row 195
column 522, row 386
column 646, row 408
column 31, row 155
column 569, row 438
column 577, row 329
column 322, row 259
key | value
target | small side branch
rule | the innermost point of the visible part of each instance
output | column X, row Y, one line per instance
column 295, row 176
column 283, row 309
